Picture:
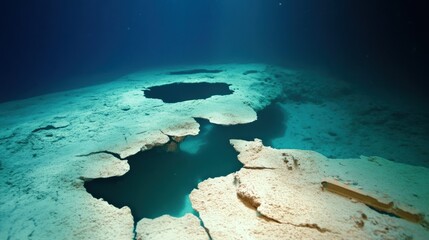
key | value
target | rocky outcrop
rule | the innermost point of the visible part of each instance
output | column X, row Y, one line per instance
column 170, row 228
column 278, row 194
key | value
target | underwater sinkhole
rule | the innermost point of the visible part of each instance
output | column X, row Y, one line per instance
column 159, row 182
column 179, row 92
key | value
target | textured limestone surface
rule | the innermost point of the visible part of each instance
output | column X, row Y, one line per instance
column 279, row 192
column 51, row 144
column 170, row 228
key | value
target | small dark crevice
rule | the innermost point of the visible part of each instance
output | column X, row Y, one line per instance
column 267, row 218
column 194, row 71
column 248, row 202
column 135, row 230
column 48, row 127
column 250, row 72
column 383, row 212
column 8, row 137
column 253, row 204
column 196, row 214
column 258, row 168
column 116, row 155
column 314, row 226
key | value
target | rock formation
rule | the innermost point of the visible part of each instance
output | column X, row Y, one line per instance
column 278, row 195
column 167, row 227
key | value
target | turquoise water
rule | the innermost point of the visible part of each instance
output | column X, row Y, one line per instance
column 159, row 181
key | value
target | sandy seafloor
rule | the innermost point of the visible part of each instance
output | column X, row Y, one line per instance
column 51, row 144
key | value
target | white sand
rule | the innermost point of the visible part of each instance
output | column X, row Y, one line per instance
column 41, row 176
column 45, row 142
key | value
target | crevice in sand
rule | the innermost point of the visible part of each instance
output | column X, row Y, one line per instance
column 202, row 224
column 49, row 127
column 134, row 229
column 116, row 155
column 248, row 201
column 312, row 226
column 250, row 72
column 253, row 204
column 194, row 71
column 8, row 136
column 259, row 168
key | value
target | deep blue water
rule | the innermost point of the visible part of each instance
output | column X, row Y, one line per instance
column 179, row 92
column 53, row 45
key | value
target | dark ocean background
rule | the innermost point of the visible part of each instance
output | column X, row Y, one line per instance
column 53, row 45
